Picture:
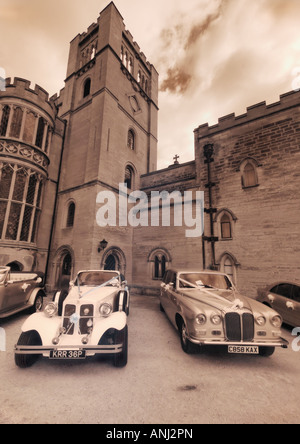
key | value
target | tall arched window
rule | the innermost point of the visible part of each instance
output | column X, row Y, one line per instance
column 15, row 128
column 40, row 132
column 249, row 174
column 131, row 140
column 228, row 265
column 4, row 120
column 159, row 260
column 226, row 226
column 129, row 177
column 20, row 203
column 71, row 215
column 87, row 87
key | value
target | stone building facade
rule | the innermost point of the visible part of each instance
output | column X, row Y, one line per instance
column 58, row 155
column 30, row 146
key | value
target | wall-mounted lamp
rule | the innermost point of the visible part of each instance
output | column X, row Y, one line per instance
column 102, row 245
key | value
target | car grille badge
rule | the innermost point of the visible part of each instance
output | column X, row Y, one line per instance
column 237, row 304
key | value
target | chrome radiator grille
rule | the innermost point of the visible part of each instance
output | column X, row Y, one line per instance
column 86, row 316
column 239, row 327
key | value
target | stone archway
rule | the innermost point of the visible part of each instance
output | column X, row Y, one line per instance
column 114, row 259
column 63, row 267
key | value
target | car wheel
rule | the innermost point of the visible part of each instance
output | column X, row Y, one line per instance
column 187, row 346
column 120, row 359
column 29, row 338
column 38, row 303
column 266, row 351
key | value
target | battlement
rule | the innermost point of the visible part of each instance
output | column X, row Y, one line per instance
column 254, row 112
column 137, row 49
column 25, row 85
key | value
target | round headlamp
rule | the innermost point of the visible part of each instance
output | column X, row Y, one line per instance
column 105, row 309
column 276, row 321
column 261, row 321
column 216, row 319
column 51, row 310
column 201, row 319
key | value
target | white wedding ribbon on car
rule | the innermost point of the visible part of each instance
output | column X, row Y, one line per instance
column 237, row 303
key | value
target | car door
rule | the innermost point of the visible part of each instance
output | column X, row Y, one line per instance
column 282, row 298
column 294, row 306
column 163, row 290
column 17, row 293
column 168, row 294
column 173, row 303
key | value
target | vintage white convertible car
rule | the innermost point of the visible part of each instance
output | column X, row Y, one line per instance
column 90, row 319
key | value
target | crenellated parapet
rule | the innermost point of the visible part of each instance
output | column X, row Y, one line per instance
column 27, row 122
column 257, row 111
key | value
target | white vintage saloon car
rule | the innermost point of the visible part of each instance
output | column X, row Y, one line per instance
column 91, row 319
column 207, row 309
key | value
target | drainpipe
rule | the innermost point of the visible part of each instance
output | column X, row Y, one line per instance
column 212, row 239
column 55, row 202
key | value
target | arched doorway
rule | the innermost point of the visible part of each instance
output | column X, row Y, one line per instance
column 111, row 263
column 114, row 259
column 64, row 265
column 15, row 266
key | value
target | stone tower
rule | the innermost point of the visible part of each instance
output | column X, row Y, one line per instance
column 30, row 148
column 109, row 105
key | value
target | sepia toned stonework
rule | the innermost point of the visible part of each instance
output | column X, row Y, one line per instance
column 58, row 154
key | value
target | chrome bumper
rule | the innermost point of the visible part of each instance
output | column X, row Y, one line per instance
column 92, row 349
column 281, row 342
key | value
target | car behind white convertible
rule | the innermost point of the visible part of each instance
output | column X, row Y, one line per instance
column 90, row 320
column 20, row 291
column 207, row 310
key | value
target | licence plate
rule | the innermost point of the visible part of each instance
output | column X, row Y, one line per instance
column 67, row 354
column 243, row 349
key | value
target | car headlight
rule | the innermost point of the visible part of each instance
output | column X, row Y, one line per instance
column 105, row 309
column 51, row 310
column 216, row 319
column 261, row 321
column 201, row 319
column 276, row 321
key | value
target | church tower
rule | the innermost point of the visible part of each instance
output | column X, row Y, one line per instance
column 110, row 106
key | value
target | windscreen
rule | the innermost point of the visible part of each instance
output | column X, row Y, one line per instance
column 96, row 278
column 205, row 280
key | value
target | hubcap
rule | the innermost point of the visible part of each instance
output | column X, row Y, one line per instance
column 183, row 334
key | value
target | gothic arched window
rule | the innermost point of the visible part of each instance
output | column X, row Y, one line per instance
column 160, row 260
column 129, row 177
column 71, row 215
column 20, row 203
column 225, row 222
column 40, row 132
column 15, row 128
column 249, row 173
column 4, row 120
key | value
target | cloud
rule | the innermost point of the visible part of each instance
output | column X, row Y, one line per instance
column 187, row 35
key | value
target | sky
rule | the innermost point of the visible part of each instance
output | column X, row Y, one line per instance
column 214, row 57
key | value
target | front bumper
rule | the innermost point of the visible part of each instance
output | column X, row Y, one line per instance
column 90, row 350
column 280, row 342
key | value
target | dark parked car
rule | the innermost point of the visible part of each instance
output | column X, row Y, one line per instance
column 284, row 297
